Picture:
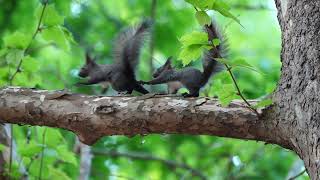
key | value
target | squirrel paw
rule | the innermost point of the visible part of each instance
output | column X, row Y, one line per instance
column 185, row 95
column 142, row 82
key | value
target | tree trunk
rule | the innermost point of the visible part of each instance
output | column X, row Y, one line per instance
column 297, row 110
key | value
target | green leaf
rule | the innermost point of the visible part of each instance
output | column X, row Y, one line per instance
column 203, row 18
column 29, row 64
column 50, row 17
column 195, row 37
column 3, row 52
column 2, row 147
column 226, row 94
column 66, row 155
column 190, row 53
column 17, row 40
column 223, row 9
column 30, row 150
column 216, row 41
column 202, row 4
column 68, row 35
column 57, row 35
column 263, row 103
column 57, row 174
column 14, row 56
column 53, row 137
column 237, row 63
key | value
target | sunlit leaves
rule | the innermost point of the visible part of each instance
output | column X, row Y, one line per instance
column 57, row 35
column 2, row 147
column 216, row 5
column 193, row 45
column 30, row 64
column 263, row 103
column 17, row 40
column 13, row 56
column 203, row 18
column 194, row 38
column 58, row 174
column 240, row 62
column 52, row 29
column 65, row 155
column 50, row 17
column 30, row 150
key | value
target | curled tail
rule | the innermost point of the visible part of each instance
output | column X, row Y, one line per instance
column 128, row 45
column 211, row 66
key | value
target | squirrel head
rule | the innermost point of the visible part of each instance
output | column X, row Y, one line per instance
column 163, row 68
column 87, row 67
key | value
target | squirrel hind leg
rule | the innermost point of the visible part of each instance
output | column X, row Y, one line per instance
column 139, row 88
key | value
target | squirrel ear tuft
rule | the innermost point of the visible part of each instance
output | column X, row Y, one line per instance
column 88, row 58
column 168, row 62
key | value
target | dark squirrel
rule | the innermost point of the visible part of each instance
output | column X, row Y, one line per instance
column 189, row 77
column 120, row 74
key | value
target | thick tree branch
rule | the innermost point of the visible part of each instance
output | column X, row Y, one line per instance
column 92, row 117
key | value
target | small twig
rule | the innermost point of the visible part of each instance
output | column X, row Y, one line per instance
column 29, row 45
column 42, row 152
column 235, row 82
column 239, row 91
column 18, row 70
column 296, row 176
column 11, row 150
column 133, row 155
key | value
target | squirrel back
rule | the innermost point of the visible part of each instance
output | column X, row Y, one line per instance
column 192, row 78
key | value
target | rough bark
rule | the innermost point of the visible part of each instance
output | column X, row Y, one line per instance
column 92, row 117
column 297, row 109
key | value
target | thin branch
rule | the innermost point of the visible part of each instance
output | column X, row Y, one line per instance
column 18, row 70
column 42, row 152
column 233, row 78
column 296, row 176
column 239, row 91
column 135, row 155
column 29, row 45
column 11, row 150
column 252, row 7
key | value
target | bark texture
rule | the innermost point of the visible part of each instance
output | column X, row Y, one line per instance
column 92, row 117
column 297, row 110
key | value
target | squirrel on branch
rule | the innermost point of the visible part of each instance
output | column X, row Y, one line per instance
column 189, row 77
column 120, row 74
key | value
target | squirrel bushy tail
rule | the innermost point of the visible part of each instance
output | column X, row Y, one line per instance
column 210, row 65
column 120, row 74
column 128, row 45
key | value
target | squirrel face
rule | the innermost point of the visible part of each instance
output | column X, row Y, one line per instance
column 87, row 68
column 161, row 69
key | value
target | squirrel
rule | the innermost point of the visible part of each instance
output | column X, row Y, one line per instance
column 192, row 78
column 120, row 74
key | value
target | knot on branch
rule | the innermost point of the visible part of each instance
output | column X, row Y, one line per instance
column 105, row 109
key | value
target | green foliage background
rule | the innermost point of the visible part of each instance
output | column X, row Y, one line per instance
column 57, row 52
